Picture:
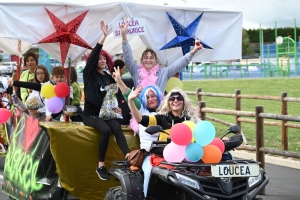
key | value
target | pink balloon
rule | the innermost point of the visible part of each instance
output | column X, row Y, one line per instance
column 174, row 152
column 55, row 105
column 4, row 115
column 218, row 143
column 181, row 134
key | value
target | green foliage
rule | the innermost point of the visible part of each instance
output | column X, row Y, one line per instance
column 271, row 87
column 247, row 47
column 269, row 34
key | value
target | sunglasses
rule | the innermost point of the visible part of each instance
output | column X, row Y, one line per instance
column 179, row 98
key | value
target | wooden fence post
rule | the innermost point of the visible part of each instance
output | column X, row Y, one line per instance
column 260, row 156
column 202, row 114
column 284, row 129
column 198, row 97
column 238, row 107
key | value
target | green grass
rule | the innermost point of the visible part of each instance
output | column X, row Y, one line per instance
column 267, row 86
column 270, row 87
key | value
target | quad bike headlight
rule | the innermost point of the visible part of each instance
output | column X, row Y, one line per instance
column 254, row 179
column 187, row 181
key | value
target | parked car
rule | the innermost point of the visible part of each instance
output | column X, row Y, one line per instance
column 258, row 67
column 209, row 69
column 54, row 62
column 5, row 69
column 80, row 66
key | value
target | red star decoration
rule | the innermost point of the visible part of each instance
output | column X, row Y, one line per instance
column 65, row 34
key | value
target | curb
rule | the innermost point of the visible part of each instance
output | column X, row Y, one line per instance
column 285, row 162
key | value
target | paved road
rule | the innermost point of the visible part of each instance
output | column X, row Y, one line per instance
column 284, row 184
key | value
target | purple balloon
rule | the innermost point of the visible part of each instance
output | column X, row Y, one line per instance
column 54, row 104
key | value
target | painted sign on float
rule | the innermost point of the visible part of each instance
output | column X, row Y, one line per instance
column 136, row 26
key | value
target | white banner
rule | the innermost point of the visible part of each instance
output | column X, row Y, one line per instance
column 29, row 21
column 136, row 27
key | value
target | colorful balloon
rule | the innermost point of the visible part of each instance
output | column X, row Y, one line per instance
column 212, row 154
column 181, row 134
column 4, row 115
column 193, row 152
column 204, row 133
column 174, row 153
column 172, row 83
column 191, row 125
column 48, row 91
column 55, row 105
column 218, row 143
column 62, row 90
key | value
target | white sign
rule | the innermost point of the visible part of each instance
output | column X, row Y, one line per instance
column 136, row 27
column 236, row 170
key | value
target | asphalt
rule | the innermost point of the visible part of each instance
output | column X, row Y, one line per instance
column 284, row 175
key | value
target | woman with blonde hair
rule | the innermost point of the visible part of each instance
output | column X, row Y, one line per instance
column 175, row 108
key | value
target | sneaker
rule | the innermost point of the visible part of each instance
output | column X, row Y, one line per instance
column 102, row 173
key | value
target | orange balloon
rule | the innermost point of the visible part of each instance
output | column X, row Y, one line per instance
column 212, row 154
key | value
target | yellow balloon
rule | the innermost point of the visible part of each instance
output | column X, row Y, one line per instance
column 191, row 125
column 172, row 83
column 48, row 91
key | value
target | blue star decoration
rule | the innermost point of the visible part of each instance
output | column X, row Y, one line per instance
column 185, row 35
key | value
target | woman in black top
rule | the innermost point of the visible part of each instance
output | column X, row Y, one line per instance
column 95, row 79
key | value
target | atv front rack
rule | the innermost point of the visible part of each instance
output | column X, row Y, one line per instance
column 188, row 164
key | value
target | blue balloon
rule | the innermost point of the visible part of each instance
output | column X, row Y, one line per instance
column 204, row 132
column 193, row 152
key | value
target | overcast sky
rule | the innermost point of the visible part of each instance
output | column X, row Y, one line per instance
column 255, row 12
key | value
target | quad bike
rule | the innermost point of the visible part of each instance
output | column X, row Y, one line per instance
column 231, row 179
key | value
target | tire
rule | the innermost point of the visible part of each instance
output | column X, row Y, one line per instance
column 114, row 193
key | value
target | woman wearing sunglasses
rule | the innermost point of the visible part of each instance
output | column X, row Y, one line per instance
column 175, row 108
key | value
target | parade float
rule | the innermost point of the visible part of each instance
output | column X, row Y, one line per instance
column 50, row 160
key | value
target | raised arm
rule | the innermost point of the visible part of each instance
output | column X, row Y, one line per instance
column 117, row 76
column 134, row 111
column 183, row 61
column 123, row 29
column 29, row 85
column 92, row 62
column 127, row 52
column 124, row 89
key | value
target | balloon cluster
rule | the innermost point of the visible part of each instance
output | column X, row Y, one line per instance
column 55, row 95
column 193, row 142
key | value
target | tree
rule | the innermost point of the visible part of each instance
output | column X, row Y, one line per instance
column 247, row 47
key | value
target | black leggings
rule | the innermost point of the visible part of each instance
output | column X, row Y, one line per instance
column 105, row 127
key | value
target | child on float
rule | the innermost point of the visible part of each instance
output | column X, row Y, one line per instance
column 33, row 104
column 76, row 96
column 58, row 76
column 41, row 76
